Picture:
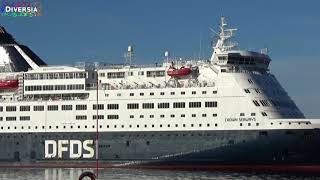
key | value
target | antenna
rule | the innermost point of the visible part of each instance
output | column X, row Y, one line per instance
column 129, row 55
column 224, row 35
column 200, row 46
column 167, row 54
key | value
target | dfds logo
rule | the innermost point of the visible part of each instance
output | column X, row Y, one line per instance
column 16, row 8
column 76, row 149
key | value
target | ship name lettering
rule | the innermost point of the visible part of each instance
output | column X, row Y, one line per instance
column 239, row 119
column 76, row 149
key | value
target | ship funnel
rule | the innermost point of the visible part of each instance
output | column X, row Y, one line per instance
column 15, row 57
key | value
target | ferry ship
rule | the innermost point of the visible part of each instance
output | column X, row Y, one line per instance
column 228, row 111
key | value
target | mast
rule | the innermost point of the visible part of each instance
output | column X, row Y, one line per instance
column 223, row 43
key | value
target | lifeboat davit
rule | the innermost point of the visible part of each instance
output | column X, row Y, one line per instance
column 8, row 84
column 183, row 71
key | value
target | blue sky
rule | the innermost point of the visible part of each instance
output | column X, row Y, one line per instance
column 75, row 30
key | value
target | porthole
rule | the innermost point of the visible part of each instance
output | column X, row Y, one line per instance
column 191, row 125
column 176, row 125
column 208, row 125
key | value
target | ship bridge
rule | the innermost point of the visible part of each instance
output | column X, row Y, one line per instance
column 229, row 58
column 243, row 60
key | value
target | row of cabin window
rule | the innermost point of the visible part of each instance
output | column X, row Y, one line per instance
column 50, row 127
column 35, row 76
column 114, row 116
column 115, row 126
column 13, row 118
column 207, row 104
column 275, row 103
column 54, row 87
column 173, row 93
column 252, row 114
column 160, row 125
column 117, row 75
column 111, row 106
column 173, row 115
column 138, row 126
column 256, row 89
column 55, row 107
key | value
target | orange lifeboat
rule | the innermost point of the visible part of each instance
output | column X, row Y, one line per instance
column 8, row 84
column 183, row 71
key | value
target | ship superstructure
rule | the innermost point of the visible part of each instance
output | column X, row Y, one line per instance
column 228, row 109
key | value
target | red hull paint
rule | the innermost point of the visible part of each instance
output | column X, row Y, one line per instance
column 183, row 71
column 314, row 169
column 8, row 84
